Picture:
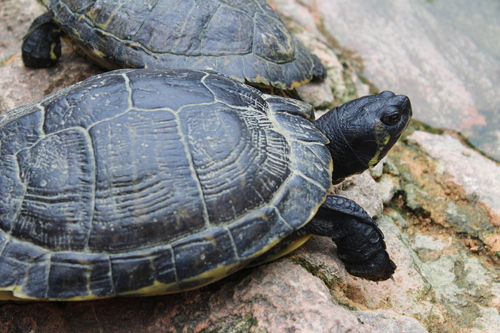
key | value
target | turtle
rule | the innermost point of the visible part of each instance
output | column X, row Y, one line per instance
column 244, row 39
column 141, row 182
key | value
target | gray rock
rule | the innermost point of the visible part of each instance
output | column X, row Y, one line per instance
column 446, row 62
column 364, row 190
column 479, row 175
column 388, row 322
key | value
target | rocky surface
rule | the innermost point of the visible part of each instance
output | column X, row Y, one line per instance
column 434, row 198
column 20, row 85
column 444, row 54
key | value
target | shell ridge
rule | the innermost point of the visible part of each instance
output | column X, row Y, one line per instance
column 93, row 188
column 24, row 189
column 110, row 270
column 43, row 118
column 19, row 112
column 276, row 209
column 309, row 179
column 129, row 89
column 194, row 173
column 182, row 107
column 174, row 265
column 95, row 123
column 22, row 198
column 233, row 243
column 4, row 244
column 47, row 274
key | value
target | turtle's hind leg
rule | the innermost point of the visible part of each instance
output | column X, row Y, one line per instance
column 360, row 242
column 41, row 46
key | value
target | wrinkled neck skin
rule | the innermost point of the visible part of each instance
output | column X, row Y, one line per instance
column 346, row 161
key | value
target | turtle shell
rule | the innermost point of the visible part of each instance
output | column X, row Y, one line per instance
column 143, row 182
column 244, row 39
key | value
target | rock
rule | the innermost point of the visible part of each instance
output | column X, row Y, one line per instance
column 364, row 190
column 257, row 300
column 388, row 322
column 448, row 68
column 344, row 84
column 414, row 197
column 16, row 16
column 450, row 235
column 31, row 85
column 318, row 94
column 263, row 301
column 479, row 175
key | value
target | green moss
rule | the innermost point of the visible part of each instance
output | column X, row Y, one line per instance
column 305, row 264
column 372, row 87
column 417, row 125
column 336, row 286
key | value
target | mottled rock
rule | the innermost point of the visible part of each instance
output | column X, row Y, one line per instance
column 20, row 85
column 449, row 237
column 388, row 322
column 479, row 175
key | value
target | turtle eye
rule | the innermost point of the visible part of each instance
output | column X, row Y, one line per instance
column 391, row 119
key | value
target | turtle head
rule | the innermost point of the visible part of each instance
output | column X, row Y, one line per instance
column 362, row 131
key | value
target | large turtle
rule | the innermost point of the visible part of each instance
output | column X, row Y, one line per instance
column 244, row 39
column 148, row 181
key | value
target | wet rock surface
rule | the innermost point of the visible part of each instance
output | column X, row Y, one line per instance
column 434, row 198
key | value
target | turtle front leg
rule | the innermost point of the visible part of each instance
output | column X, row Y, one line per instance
column 360, row 242
column 41, row 46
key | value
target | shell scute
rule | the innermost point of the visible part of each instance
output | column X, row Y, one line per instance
column 272, row 40
column 229, row 32
column 143, row 194
column 20, row 130
column 257, row 232
column 21, row 261
column 168, row 91
column 299, row 190
column 79, row 275
column 204, row 252
column 97, row 99
column 239, row 159
column 132, row 271
column 57, row 173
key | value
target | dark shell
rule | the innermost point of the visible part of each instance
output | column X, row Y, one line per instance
column 244, row 39
column 150, row 182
